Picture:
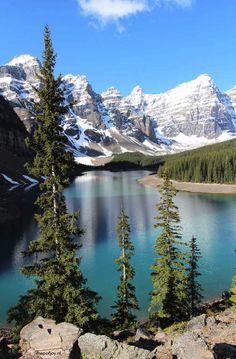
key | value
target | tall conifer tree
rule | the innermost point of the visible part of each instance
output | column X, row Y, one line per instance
column 233, row 291
column 60, row 292
column 194, row 287
column 169, row 295
column 126, row 297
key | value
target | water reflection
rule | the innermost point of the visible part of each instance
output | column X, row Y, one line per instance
column 101, row 195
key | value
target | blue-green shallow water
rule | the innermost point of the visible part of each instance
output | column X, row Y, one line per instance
column 99, row 196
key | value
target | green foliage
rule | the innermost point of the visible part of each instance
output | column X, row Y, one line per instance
column 176, row 327
column 126, row 297
column 169, row 295
column 233, row 291
column 194, row 287
column 210, row 164
column 60, row 292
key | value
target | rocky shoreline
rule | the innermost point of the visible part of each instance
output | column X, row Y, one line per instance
column 203, row 337
column 214, row 188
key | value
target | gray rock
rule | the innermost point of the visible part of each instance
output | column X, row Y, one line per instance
column 163, row 338
column 94, row 346
column 211, row 321
column 196, row 323
column 44, row 338
column 142, row 333
column 187, row 347
column 161, row 352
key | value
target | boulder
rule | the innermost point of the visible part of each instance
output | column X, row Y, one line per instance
column 188, row 346
column 161, row 337
column 211, row 321
column 93, row 346
column 142, row 333
column 43, row 338
column 161, row 352
column 196, row 323
column 221, row 333
column 226, row 317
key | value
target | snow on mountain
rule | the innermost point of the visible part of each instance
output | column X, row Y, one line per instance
column 17, row 79
column 193, row 114
column 192, row 108
column 20, row 60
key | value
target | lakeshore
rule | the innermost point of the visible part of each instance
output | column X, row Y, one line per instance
column 213, row 188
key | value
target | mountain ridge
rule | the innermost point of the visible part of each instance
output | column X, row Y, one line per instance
column 192, row 114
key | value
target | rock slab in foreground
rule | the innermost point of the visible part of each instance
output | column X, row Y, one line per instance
column 101, row 346
column 188, row 346
column 45, row 339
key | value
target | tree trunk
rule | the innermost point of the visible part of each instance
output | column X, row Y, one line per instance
column 55, row 208
column 124, row 277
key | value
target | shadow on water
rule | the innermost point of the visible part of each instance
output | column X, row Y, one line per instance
column 17, row 226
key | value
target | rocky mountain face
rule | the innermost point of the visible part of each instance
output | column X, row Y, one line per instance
column 12, row 130
column 17, row 79
column 13, row 150
column 193, row 114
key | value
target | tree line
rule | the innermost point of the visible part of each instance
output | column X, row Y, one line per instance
column 210, row 164
column 60, row 291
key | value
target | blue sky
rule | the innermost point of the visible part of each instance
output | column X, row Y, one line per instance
column 154, row 43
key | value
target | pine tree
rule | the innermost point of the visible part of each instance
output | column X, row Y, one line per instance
column 60, row 291
column 233, row 291
column 169, row 295
column 127, row 301
column 194, row 287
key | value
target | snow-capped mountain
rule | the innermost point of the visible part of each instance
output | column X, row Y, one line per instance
column 193, row 114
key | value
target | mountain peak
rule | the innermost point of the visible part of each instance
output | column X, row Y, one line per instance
column 75, row 78
column 137, row 91
column 21, row 60
column 204, row 77
column 111, row 91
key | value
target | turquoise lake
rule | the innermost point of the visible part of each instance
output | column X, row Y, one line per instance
column 100, row 195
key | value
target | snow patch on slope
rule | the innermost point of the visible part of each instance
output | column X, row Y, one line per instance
column 30, row 179
column 9, row 179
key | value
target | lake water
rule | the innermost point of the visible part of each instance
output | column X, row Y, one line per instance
column 100, row 195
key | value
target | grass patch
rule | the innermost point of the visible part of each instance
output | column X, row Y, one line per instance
column 176, row 327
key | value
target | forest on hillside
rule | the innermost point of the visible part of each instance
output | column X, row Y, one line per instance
column 210, row 164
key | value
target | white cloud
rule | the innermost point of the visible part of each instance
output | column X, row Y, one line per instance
column 114, row 10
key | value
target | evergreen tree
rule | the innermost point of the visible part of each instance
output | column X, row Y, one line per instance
column 194, row 288
column 213, row 163
column 169, row 277
column 233, row 291
column 126, row 297
column 60, row 289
